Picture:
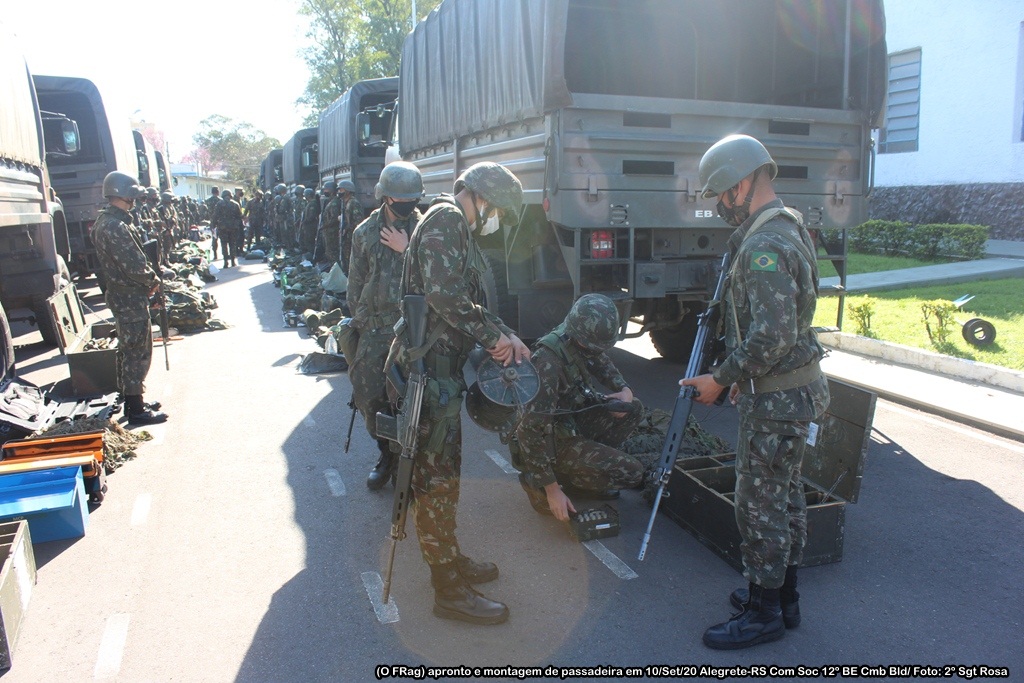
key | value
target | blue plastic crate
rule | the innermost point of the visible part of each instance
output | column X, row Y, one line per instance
column 53, row 502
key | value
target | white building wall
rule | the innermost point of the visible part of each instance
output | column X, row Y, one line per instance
column 972, row 91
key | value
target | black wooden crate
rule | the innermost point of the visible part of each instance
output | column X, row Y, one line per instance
column 702, row 490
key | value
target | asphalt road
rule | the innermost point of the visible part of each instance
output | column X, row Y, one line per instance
column 240, row 544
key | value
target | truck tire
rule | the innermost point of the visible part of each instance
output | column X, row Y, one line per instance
column 675, row 343
column 47, row 328
column 495, row 282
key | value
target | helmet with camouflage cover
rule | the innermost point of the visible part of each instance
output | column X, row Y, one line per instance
column 308, row 192
column 167, row 196
column 330, row 186
column 593, row 322
column 121, row 185
column 496, row 184
column 729, row 161
column 279, row 188
column 347, row 186
column 400, row 180
column 152, row 193
column 299, row 189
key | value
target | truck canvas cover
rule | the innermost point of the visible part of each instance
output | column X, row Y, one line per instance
column 19, row 133
column 473, row 65
column 339, row 145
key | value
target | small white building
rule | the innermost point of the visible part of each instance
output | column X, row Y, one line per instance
column 187, row 181
column 952, row 149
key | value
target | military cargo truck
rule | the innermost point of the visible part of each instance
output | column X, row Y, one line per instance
column 146, row 156
column 603, row 109
column 163, row 171
column 107, row 144
column 270, row 170
column 33, row 228
column 300, row 159
column 354, row 136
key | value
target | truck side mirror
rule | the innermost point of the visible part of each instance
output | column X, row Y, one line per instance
column 363, row 126
column 69, row 133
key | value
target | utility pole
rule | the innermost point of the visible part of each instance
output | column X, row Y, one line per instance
column 414, row 13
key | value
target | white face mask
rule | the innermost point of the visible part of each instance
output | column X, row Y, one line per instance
column 492, row 225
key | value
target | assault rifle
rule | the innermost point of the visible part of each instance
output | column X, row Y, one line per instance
column 404, row 428
column 702, row 346
column 151, row 249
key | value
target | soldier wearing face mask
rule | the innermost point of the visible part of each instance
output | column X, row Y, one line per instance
column 375, row 297
column 445, row 265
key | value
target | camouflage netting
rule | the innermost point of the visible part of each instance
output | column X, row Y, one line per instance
column 649, row 437
column 119, row 444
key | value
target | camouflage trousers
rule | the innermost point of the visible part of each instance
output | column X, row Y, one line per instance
column 133, row 356
column 771, row 508
column 228, row 244
column 435, row 484
column 307, row 237
column 280, row 232
column 591, row 459
column 366, row 372
column 331, row 246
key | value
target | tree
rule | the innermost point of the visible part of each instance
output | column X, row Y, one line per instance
column 235, row 147
column 351, row 40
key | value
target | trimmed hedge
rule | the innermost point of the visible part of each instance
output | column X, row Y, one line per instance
column 927, row 242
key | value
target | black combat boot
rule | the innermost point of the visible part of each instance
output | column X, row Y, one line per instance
column 788, row 598
column 476, row 572
column 760, row 621
column 456, row 599
column 384, row 468
column 139, row 414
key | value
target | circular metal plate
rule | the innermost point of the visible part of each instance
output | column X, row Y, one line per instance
column 512, row 385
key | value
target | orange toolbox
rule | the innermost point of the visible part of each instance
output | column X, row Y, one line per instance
column 84, row 449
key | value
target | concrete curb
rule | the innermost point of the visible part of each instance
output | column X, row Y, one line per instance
column 983, row 373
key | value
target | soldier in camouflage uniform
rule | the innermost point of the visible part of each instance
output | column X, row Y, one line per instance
column 167, row 226
column 375, row 297
column 211, row 206
column 351, row 216
column 278, row 212
column 444, row 263
column 330, row 222
column 227, row 220
column 776, row 383
column 310, row 220
column 565, row 439
column 256, row 213
column 130, row 283
column 298, row 205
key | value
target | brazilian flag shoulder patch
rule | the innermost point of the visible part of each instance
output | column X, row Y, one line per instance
column 765, row 261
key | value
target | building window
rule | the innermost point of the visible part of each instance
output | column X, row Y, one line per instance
column 903, row 107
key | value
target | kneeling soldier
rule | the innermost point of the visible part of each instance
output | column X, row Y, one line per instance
column 568, row 441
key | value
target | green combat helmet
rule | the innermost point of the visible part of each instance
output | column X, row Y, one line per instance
column 308, row 192
column 330, row 186
column 497, row 185
column 152, row 193
column 729, row 161
column 593, row 322
column 347, row 186
column 280, row 188
column 166, row 196
column 121, row 185
column 400, row 180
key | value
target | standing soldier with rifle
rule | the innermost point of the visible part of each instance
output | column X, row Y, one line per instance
column 130, row 283
column 351, row 216
column 444, row 265
column 375, row 297
column 227, row 220
column 776, row 383
column 330, row 223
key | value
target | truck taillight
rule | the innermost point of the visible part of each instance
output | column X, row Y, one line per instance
column 602, row 244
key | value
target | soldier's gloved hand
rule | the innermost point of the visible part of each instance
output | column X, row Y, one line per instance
column 626, row 396
column 558, row 502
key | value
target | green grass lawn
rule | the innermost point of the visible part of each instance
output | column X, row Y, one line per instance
column 898, row 318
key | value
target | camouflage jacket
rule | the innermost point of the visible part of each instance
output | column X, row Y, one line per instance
column 128, row 275
column 227, row 215
column 772, row 292
column 169, row 215
column 255, row 211
column 352, row 215
column 311, row 213
column 375, row 273
column 566, row 374
column 444, row 263
column 330, row 217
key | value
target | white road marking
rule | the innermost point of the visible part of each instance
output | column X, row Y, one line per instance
column 609, row 559
column 386, row 614
column 108, row 662
column 140, row 512
column 501, row 462
column 309, row 421
column 335, row 483
column 966, row 431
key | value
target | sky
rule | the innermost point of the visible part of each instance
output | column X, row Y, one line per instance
column 169, row 64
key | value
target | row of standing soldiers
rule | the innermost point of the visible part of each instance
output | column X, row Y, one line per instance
column 165, row 218
column 320, row 224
